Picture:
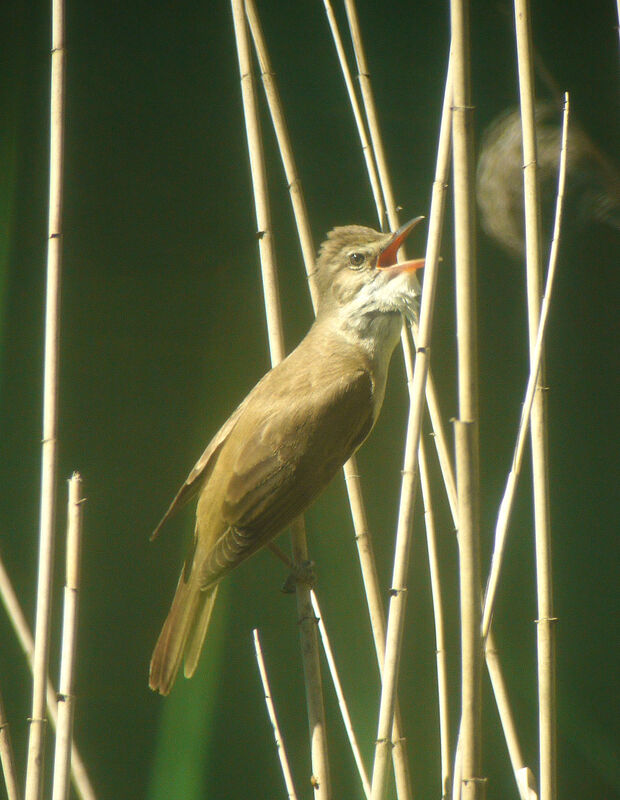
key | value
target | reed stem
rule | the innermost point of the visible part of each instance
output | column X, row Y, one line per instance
column 271, row 711
column 64, row 726
column 538, row 425
column 307, row 620
column 7, row 759
column 466, row 426
column 36, row 739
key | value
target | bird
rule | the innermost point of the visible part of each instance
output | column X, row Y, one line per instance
column 301, row 422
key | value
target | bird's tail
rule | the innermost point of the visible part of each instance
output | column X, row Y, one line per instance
column 183, row 634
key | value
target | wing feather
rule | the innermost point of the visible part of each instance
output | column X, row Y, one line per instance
column 201, row 469
column 283, row 464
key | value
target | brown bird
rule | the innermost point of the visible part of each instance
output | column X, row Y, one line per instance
column 291, row 434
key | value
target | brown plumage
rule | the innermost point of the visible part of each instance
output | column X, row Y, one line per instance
column 291, row 434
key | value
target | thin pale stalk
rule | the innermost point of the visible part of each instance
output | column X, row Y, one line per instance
column 523, row 774
column 417, row 385
column 271, row 711
column 284, row 143
column 352, row 478
column 359, row 120
column 466, row 427
column 79, row 774
column 505, row 508
column 260, row 191
column 372, row 590
column 64, row 726
column 342, row 703
column 307, row 621
column 363, row 74
column 36, row 739
column 456, row 782
column 440, row 645
column 538, row 424
column 6, row 757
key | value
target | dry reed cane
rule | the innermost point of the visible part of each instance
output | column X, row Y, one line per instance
column 545, row 629
column 359, row 120
column 64, row 726
column 271, row 711
column 308, row 627
column 351, row 474
column 379, row 156
column 6, row 757
column 79, row 774
column 342, row 703
column 491, row 656
column 36, row 739
column 466, row 427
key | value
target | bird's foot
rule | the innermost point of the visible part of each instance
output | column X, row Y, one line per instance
column 300, row 573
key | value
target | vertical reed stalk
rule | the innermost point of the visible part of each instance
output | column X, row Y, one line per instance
column 440, row 645
column 466, row 427
column 342, row 703
column 271, row 711
column 36, row 740
column 79, row 775
column 352, row 479
column 307, row 620
column 522, row 773
column 284, row 143
column 505, row 508
column 538, row 429
column 363, row 74
column 6, row 757
column 417, row 386
column 359, row 120
column 64, row 726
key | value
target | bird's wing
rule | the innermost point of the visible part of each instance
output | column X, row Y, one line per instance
column 201, row 469
column 283, row 461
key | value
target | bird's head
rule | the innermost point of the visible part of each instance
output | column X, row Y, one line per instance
column 358, row 276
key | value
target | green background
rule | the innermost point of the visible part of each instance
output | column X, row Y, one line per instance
column 163, row 334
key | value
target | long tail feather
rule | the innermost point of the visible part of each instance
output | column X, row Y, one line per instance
column 198, row 631
column 168, row 652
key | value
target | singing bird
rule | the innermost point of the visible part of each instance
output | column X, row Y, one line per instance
column 288, row 438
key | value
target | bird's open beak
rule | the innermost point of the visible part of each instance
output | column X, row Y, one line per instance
column 388, row 256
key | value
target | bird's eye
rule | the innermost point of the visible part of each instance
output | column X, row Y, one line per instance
column 356, row 260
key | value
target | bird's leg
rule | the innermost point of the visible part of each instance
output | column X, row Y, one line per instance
column 300, row 573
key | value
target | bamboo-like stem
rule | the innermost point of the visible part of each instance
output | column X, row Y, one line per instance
column 363, row 74
column 372, row 590
column 352, row 479
column 307, row 621
column 440, row 645
column 433, row 405
column 522, row 773
column 505, row 508
column 6, row 757
column 271, row 711
column 79, row 774
column 64, row 726
column 342, row 703
column 417, row 385
column 260, row 191
column 36, row 739
column 538, row 429
column 359, row 120
column 466, row 427
column 433, row 237
column 286, row 150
